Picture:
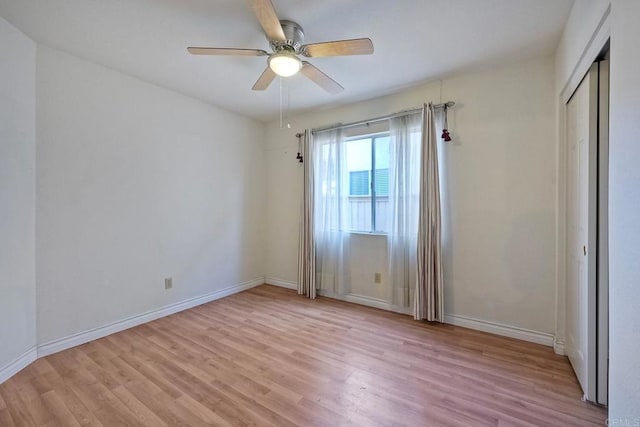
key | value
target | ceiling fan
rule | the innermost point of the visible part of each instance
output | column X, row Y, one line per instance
column 286, row 39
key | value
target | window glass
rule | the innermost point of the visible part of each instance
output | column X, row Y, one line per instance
column 359, row 183
column 367, row 169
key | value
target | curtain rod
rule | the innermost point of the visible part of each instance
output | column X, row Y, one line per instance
column 447, row 104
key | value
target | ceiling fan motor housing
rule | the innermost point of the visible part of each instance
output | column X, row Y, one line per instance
column 286, row 39
column 294, row 38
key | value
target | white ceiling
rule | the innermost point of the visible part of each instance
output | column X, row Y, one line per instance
column 414, row 40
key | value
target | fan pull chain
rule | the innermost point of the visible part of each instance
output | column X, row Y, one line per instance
column 288, row 106
column 284, row 109
column 280, row 83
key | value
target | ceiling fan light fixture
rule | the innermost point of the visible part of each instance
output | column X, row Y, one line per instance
column 286, row 40
column 285, row 63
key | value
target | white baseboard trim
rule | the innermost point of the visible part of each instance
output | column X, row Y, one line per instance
column 120, row 325
column 18, row 364
column 367, row 301
column 282, row 283
column 499, row 329
column 558, row 347
column 452, row 319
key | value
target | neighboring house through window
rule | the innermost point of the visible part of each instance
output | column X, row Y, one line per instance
column 368, row 169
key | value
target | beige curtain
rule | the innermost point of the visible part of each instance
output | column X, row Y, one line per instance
column 429, row 302
column 405, row 148
column 306, row 249
column 331, row 213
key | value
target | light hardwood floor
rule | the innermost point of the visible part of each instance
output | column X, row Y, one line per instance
column 269, row 357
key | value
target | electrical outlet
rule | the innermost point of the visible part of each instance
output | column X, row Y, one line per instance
column 377, row 277
column 168, row 283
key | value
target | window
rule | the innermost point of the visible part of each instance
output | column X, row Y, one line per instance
column 368, row 175
column 359, row 183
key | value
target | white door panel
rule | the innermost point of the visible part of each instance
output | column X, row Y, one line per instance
column 581, row 231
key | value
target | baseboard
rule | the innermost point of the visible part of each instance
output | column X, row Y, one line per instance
column 467, row 322
column 558, row 347
column 279, row 282
column 18, row 364
column 367, row 301
column 120, row 325
column 499, row 329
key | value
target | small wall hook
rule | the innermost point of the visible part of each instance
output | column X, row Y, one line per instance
column 299, row 157
column 445, row 132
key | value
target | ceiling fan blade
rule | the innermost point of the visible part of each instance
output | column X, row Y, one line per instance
column 338, row 48
column 225, row 51
column 264, row 80
column 320, row 78
column 268, row 18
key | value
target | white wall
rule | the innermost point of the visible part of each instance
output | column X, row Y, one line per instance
column 17, row 194
column 585, row 34
column 574, row 54
column 624, row 215
column 585, row 17
column 500, row 260
column 136, row 183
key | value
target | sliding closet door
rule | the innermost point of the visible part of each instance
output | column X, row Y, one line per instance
column 581, row 296
column 602, row 384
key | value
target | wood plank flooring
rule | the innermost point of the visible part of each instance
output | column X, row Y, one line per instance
column 269, row 357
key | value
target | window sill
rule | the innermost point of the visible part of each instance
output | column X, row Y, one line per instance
column 368, row 233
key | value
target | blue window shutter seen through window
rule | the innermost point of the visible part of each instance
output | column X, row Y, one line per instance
column 359, row 183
